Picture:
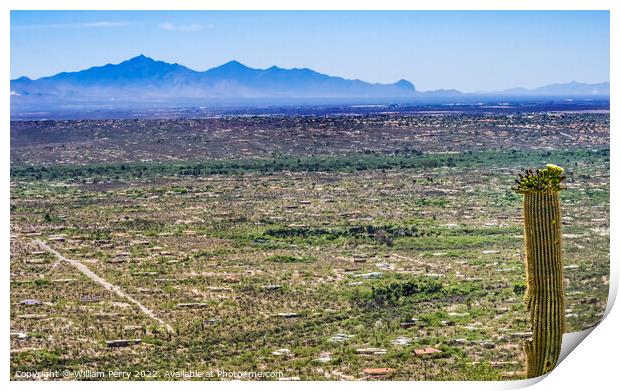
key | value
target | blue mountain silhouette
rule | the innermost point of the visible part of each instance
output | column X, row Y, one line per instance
column 144, row 82
column 143, row 77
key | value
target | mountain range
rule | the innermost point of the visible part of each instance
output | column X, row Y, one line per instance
column 143, row 79
column 564, row 89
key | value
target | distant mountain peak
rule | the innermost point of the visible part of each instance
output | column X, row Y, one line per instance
column 140, row 59
column 405, row 84
column 234, row 64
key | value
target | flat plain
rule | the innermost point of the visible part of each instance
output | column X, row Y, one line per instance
column 384, row 246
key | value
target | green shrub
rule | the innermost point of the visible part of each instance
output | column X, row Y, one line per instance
column 290, row 259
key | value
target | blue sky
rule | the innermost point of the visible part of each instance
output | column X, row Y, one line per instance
column 465, row 50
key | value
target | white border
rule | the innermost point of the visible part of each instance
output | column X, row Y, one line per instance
column 593, row 364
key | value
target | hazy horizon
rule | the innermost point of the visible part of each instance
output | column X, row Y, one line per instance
column 469, row 51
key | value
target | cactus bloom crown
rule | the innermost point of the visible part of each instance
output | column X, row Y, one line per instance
column 544, row 179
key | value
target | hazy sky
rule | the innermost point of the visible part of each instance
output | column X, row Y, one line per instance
column 466, row 50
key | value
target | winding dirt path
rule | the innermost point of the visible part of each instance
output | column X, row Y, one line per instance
column 111, row 287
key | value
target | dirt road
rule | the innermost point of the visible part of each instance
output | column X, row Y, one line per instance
column 107, row 285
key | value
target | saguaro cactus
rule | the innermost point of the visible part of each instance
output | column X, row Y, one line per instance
column 543, row 266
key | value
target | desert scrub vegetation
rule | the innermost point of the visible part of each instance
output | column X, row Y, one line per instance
column 395, row 291
column 318, row 269
column 290, row 259
column 346, row 163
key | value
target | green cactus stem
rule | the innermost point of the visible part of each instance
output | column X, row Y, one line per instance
column 543, row 266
